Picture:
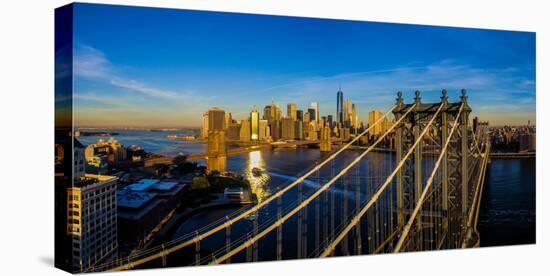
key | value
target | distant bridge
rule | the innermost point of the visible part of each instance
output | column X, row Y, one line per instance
column 167, row 160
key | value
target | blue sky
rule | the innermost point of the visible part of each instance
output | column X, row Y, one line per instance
column 162, row 67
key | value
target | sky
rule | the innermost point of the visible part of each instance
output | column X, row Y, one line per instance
column 151, row 67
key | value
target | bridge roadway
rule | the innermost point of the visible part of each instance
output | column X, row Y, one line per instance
column 166, row 160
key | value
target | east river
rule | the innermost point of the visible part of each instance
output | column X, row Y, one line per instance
column 507, row 214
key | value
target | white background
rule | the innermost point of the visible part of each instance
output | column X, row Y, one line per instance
column 26, row 135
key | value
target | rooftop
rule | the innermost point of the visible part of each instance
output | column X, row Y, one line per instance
column 143, row 185
column 130, row 199
column 165, row 186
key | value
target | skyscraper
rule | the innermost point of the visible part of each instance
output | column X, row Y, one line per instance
column 272, row 112
column 245, row 130
column 315, row 106
column 299, row 115
column 347, row 113
column 254, row 124
column 264, row 131
column 340, row 107
column 267, row 113
column 287, row 129
column 374, row 116
column 228, row 119
column 311, row 112
column 299, row 130
column 330, row 120
column 291, row 111
column 354, row 119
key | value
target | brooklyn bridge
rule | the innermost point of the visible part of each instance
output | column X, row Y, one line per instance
column 424, row 196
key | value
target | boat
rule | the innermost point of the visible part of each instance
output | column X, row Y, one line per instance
column 257, row 172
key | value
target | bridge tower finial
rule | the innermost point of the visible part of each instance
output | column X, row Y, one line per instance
column 463, row 96
column 417, row 96
column 444, row 98
column 399, row 99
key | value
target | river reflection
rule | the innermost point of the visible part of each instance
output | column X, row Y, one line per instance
column 255, row 173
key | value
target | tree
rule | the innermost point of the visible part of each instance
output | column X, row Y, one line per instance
column 182, row 166
column 200, row 183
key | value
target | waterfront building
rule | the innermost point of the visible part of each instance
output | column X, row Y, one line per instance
column 291, row 111
column 272, row 112
column 340, row 107
column 344, row 133
column 354, row 119
column 92, row 220
column 312, row 112
column 275, row 129
column 254, row 124
column 216, row 158
column 97, row 164
column 315, row 107
column 264, row 131
column 347, row 113
column 299, row 115
column 298, row 130
column 216, row 119
column 374, row 116
column 112, row 149
column 312, row 135
column 305, row 130
column 234, row 132
column 135, row 153
column 228, row 120
column 143, row 205
column 244, row 133
column 267, row 113
column 204, row 129
column 307, row 117
column 287, row 129
column 330, row 121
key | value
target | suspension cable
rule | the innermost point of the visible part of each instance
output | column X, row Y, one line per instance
column 252, row 240
column 407, row 227
column 253, row 209
column 374, row 198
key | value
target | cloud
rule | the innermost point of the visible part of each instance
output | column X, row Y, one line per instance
column 504, row 90
column 92, row 64
column 142, row 88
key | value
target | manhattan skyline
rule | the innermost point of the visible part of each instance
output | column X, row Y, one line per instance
column 146, row 67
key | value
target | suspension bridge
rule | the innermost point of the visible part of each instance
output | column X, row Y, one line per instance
column 425, row 196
